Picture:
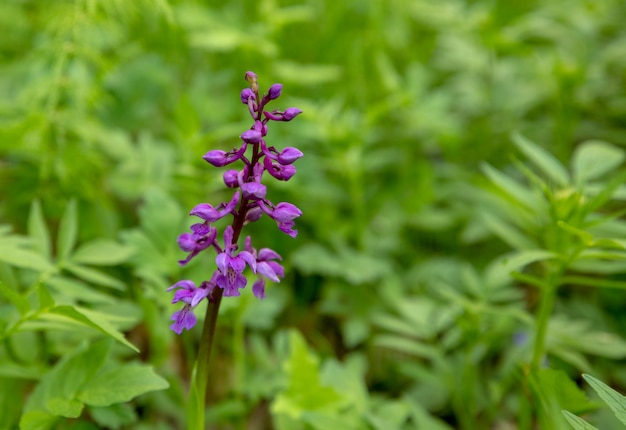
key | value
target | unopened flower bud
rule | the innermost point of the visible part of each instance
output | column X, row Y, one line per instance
column 253, row 190
column 289, row 155
column 206, row 212
column 230, row 178
column 291, row 113
column 247, row 94
column 251, row 136
column 274, row 91
column 217, row 158
column 284, row 211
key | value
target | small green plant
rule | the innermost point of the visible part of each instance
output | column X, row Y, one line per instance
column 615, row 401
column 62, row 328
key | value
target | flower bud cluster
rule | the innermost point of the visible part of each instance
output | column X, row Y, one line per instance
column 248, row 204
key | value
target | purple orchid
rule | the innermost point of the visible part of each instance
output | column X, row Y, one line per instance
column 231, row 266
column 188, row 293
column 266, row 267
column 201, row 237
column 248, row 204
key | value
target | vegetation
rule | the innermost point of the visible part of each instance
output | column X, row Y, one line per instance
column 461, row 255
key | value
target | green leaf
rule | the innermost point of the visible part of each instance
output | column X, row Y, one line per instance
column 45, row 299
column 38, row 230
column 347, row 378
column 91, row 275
column 576, row 422
column 324, row 421
column 500, row 270
column 20, row 302
column 423, row 420
column 508, row 233
column 68, row 231
column 510, row 186
column 114, row 416
column 9, row 414
column 406, row 346
column 121, row 384
column 37, row 420
column 102, row 252
column 613, row 399
column 348, row 264
column 559, row 392
column 56, row 393
column 92, row 321
column 24, row 258
column 543, row 160
column 69, row 408
column 584, row 236
column 389, row 414
column 567, row 334
column 304, row 392
column 593, row 159
column 70, row 290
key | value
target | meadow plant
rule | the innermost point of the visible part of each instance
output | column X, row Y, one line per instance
column 248, row 204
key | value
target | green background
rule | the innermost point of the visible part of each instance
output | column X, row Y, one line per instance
column 393, row 312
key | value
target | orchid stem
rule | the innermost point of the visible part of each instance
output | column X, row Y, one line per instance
column 201, row 374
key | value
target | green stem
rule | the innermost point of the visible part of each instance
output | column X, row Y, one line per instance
column 546, row 306
column 200, row 377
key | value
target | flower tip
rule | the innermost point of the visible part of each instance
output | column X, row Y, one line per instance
column 216, row 158
column 291, row 113
column 274, row 91
column 247, row 94
column 251, row 136
column 258, row 289
column 251, row 77
column 289, row 155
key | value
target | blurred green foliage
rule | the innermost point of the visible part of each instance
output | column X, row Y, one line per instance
column 462, row 247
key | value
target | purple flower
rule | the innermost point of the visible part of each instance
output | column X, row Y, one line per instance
column 246, row 95
column 188, row 293
column 206, row 211
column 251, row 77
column 291, row 113
column 253, row 190
column 265, row 267
column 183, row 319
column 279, row 171
column 274, row 91
column 251, row 136
column 231, row 266
column 231, row 178
column 247, row 205
column 253, row 214
column 201, row 238
column 283, row 213
column 211, row 214
column 289, row 155
column 258, row 288
column 219, row 158
column 287, row 115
